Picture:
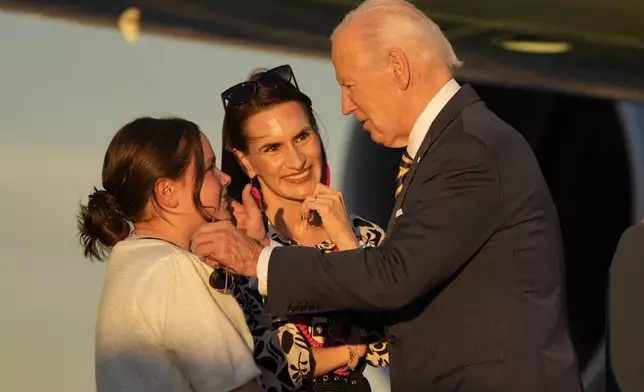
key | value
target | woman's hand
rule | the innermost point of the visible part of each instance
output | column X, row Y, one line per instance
column 329, row 204
column 248, row 217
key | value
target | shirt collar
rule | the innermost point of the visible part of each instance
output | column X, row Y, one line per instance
column 429, row 114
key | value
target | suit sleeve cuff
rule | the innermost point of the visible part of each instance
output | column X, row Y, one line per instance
column 262, row 268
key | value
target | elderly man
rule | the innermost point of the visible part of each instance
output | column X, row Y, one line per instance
column 469, row 281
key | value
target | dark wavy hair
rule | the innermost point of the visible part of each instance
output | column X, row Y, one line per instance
column 235, row 137
column 140, row 153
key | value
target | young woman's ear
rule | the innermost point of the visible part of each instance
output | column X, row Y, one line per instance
column 166, row 193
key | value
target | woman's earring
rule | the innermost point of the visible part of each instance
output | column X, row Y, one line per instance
column 256, row 192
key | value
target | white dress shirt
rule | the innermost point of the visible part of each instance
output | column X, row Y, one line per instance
column 416, row 137
column 427, row 117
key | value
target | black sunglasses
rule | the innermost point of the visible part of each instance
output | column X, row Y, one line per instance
column 245, row 91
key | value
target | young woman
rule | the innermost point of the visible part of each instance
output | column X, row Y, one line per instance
column 161, row 327
column 272, row 140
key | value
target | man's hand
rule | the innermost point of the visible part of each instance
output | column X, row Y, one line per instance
column 220, row 243
column 248, row 217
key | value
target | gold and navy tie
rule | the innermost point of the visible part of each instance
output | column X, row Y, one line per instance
column 405, row 164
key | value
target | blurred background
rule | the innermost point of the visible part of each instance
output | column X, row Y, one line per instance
column 567, row 74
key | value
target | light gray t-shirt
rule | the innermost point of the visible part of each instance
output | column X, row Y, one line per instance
column 162, row 328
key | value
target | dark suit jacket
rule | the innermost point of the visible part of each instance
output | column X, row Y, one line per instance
column 626, row 311
column 470, row 278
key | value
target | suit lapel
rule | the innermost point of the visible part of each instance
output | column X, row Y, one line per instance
column 464, row 97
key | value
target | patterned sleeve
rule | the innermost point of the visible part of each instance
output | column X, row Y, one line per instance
column 281, row 352
column 369, row 234
column 377, row 352
column 301, row 363
column 372, row 235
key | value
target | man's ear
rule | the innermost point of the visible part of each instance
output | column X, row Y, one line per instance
column 400, row 68
column 244, row 163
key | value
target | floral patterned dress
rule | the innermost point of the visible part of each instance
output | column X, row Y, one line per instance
column 282, row 348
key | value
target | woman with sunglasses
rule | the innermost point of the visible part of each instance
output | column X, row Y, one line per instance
column 271, row 140
column 160, row 326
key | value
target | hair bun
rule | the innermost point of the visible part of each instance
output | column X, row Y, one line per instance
column 102, row 224
column 103, row 201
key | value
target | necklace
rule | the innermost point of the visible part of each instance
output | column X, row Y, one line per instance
column 149, row 237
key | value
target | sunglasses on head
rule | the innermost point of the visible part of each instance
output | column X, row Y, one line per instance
column 245, row 91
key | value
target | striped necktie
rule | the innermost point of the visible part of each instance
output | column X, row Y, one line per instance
column 405, row 164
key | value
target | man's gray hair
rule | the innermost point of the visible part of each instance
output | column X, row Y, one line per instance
column 387, row 22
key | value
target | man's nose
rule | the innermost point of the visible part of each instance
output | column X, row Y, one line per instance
column 348, row 106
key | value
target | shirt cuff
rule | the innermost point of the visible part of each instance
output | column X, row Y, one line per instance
column 262, row 268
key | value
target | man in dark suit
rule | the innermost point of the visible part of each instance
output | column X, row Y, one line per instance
column 626, row 312
column 470, row 280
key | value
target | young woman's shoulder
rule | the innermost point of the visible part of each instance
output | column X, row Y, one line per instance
column 146, row 253
column 151, row 268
